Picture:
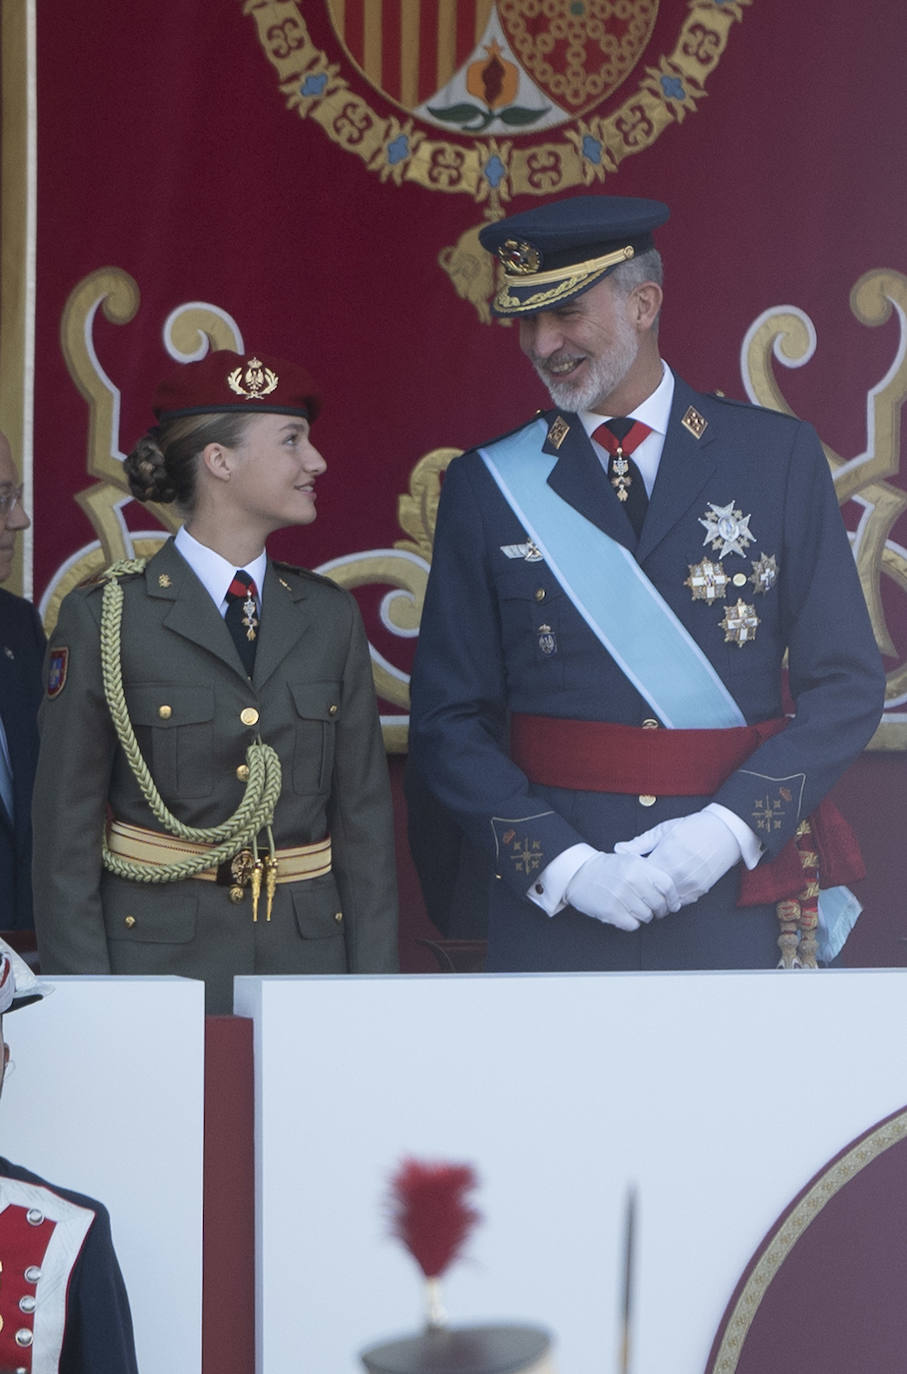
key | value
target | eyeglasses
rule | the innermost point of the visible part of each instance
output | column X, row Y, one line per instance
column 9, row 499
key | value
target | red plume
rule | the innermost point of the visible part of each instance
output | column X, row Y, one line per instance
column 429, row 1212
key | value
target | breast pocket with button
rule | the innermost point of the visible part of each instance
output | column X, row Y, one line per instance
column 174, row 725
column 531, row 607
column 317, row 707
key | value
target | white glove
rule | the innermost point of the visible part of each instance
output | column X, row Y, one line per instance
column 622, row 890
column 694, row 850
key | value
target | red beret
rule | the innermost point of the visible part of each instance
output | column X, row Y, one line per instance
column 226, row 381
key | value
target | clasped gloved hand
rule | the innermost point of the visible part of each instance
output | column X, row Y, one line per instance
column 694, row 850
column 622, row 890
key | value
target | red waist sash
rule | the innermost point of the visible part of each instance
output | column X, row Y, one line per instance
column 594, row 756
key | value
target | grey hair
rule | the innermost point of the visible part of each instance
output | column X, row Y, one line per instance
column 646, row 266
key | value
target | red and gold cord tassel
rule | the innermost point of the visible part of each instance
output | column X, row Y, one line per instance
column 798, row 916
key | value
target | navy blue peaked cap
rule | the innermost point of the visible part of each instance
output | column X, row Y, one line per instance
column 558, row 250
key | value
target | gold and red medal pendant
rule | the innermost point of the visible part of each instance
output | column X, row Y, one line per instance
column 727, row 532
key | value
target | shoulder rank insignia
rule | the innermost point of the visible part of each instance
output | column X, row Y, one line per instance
column 530, row 551
column 558, row 431
column 57, row 668
column 765, row 573
column 726, row 529
column 694, row 422
column 707, row 581
column 739, row 624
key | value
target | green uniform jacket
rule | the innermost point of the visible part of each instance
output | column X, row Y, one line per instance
column 312, row 689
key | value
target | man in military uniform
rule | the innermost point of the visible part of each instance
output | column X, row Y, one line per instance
column 21, row 652
column 597, row 693
column 63, row 1303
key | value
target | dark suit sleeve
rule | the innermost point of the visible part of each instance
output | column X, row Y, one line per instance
column 98, row 1338
column 361, row 818
column 836, row 677
column 37, row 630
column 458, row 722
column 72, row 783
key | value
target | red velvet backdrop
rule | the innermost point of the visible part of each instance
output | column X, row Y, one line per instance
column 182, row 143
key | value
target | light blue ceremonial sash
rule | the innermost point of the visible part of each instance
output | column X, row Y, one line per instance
column 631, row 620
column 611, row 592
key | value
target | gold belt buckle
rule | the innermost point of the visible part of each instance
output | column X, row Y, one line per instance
column 241, row 866
column 238, row 873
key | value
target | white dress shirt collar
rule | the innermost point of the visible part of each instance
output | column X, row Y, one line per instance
column 213, row 571
column 654, row 411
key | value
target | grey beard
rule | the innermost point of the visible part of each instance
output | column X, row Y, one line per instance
column 603, row 376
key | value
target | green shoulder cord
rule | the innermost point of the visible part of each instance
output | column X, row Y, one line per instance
column 254, row 813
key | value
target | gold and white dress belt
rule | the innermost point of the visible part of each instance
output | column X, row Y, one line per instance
column 292, row 865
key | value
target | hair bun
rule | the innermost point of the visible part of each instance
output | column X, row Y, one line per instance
column 146, row 471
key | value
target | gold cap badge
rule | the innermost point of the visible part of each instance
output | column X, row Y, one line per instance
column 254, row 382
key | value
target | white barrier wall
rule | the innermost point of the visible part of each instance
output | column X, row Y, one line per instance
column 107, row 1098
column 719, row 1095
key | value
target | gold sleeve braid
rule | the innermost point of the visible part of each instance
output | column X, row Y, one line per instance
column 254, row 813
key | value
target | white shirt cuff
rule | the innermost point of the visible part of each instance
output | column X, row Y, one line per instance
column 549, row 887
column 748, row 840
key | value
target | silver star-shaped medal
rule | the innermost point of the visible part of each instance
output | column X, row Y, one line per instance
column 726, row 529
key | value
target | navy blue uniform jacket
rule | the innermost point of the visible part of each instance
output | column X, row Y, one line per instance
column 21, row 655
column 499, row 635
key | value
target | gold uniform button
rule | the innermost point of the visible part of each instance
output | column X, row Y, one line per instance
column 242, row 772
column 338, row 916
column 236, row 894
column 165, row 712
column 333, row 709
column 646, row 799
column 739, row 579
column 128, row 922
column 249, row 715
column 540, row 594
column 650, row 723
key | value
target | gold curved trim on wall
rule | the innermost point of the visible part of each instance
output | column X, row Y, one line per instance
column 787, row 335
column 782, row 1241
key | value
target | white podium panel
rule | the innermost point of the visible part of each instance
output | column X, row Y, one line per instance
column 107, row 1098
column 718, row 1095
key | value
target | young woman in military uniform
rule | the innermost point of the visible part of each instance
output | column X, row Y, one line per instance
column 211, row 795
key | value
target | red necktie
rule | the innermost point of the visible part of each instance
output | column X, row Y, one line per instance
column 242, row 617
column 620, row 437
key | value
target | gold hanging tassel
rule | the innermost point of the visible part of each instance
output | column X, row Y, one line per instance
column 256, row 887
column 271, row 881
